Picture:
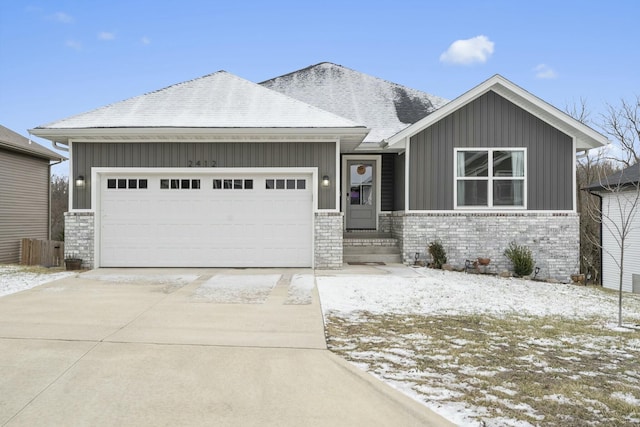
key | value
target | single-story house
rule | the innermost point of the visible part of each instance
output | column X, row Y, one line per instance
column 297, row 170
column 25, row 174
column 620, row 215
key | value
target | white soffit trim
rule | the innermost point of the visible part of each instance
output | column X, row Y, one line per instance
column 586, row 137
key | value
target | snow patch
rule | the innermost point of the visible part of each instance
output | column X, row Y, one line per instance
column 13, row 279
column 439, row 292
column 243, row 289
column 300, row 290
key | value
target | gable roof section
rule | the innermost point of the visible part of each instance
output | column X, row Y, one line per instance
column 384, row 107
column 216, row 101
column 629, row 177
column 15, row 142
column 586, row 138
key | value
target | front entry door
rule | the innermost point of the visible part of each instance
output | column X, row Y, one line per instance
column 361, row 195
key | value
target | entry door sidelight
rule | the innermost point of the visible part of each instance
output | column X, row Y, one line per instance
column 361, row 198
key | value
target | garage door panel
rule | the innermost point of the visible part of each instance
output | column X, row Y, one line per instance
column 208, row 226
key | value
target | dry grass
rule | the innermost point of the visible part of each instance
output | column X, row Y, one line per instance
column 539, row 370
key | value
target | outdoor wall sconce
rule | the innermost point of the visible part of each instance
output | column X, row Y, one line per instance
column 325, row 181
column 80, row 181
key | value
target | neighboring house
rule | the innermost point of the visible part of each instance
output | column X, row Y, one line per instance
column 620, row 206
column 25, row 169
column 219, row 171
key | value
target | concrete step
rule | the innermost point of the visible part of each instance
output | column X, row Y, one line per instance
column 361, row 250
column 370, row 242
column 386, row 258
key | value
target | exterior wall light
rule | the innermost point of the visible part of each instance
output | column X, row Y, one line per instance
column 80, row 181
column 326, row 181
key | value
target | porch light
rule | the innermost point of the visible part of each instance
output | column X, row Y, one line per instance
column 325, row 181
column 80, row 181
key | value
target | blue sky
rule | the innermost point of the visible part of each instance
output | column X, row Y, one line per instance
column 61, row 58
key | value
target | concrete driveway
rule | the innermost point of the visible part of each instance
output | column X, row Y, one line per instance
column 183, row 347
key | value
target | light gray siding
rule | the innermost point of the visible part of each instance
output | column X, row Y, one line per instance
column 24, row 202
column 491, row 121
column 239, row 154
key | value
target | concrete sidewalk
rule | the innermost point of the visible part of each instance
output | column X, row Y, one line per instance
column 144, row 347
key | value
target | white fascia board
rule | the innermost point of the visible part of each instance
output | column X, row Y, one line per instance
column 586, row 136
column 199, row 134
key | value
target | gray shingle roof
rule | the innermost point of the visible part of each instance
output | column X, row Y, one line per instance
column 218, row 100
column 626, row 177
column 16, row 142
column 384, row 107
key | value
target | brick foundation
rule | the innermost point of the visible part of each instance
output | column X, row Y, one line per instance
column 552, row 238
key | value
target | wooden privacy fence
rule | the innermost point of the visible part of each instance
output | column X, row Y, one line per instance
column 49, row 253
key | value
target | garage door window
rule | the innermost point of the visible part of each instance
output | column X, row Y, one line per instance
column 232, row 184
column 123, row 183
column 177, row 184
column 286, row 184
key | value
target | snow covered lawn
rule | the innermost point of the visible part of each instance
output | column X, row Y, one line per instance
column 483, row 350
column 16, row 278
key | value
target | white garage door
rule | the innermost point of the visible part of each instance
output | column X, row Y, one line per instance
column 182, row 220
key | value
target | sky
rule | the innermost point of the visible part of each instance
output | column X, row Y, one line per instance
column 61, row 58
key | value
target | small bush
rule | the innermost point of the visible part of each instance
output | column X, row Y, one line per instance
column 521, row 258
column 438, row 254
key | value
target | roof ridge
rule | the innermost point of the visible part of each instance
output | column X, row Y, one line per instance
column 297, row 71
column 388, row 82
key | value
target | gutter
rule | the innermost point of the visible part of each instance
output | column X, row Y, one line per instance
column 60, row 146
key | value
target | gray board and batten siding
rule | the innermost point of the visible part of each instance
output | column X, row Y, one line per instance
column 491, row 121
column 225, row 154
column 24, row 201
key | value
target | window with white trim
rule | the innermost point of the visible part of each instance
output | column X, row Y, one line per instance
column 490, row 178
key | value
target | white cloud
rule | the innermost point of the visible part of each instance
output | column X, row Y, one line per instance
column 543, row 71
column 105, row 35
column 62, row 17
column 74, row 44
column 145, row 40
column 469, row 51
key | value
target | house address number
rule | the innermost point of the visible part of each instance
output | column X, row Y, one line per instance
column 201, row 164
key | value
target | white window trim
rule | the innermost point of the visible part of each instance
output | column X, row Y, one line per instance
column 489, row 178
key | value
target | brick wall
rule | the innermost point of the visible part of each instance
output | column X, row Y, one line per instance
column 552, row 238
column 78, row 237
column 385, row 222
column 328, row 240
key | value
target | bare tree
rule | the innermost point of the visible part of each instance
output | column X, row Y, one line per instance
column 618, row 207
column 59, row 205
column 622, row 123
column 611, row 213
